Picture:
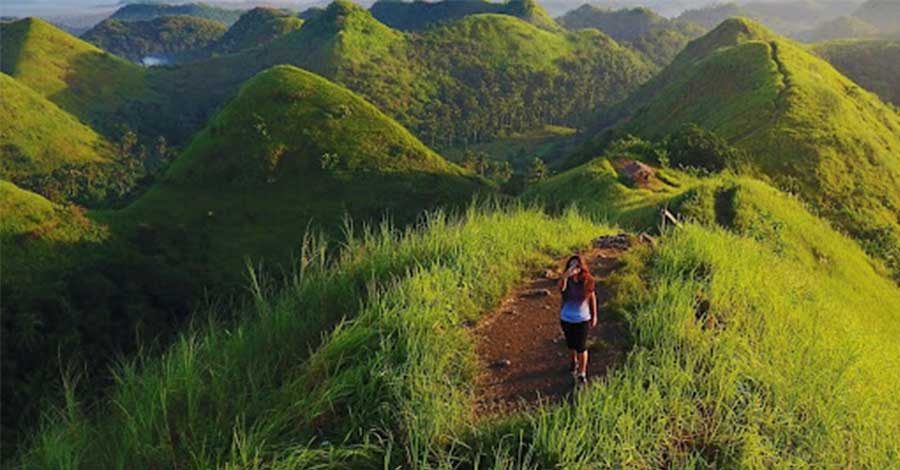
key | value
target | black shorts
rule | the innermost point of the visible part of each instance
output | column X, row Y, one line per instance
column 576, row 335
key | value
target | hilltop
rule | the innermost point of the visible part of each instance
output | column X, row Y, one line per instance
column 657, row 38
column 83, row 80
column 41, row 137
column 150, row 11
column 256, row 28
column 166, row 39
column 873, row 64
column 291, row 149
column 802, row 124
column 417, row 15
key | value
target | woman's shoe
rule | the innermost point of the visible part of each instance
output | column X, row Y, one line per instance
column 581, row 379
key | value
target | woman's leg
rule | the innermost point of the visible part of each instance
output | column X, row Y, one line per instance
column 582, row 362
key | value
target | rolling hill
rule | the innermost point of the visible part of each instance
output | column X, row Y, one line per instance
column 256, row 28
column 873, row 64
column 38, row 137
column 166, row 39
column 418, row 15
column 293, row 149
column 805, row 126
column 83, row 80
column 884, row 14
column 150, row 11
column 845, row 27
column 657, row 38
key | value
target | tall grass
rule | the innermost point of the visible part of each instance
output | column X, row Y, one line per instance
column 788, row 367
column 270, row 391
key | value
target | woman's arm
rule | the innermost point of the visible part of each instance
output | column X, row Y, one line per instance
column 563, row 283
column 594, row 312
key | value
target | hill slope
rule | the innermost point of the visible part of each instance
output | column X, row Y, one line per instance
column 873, row 64
column 804, row 125
column 293, row 149
column 150, row 11
column 417, row 15
column 41, row 137
column 255, row 28
column 78, row 77
column 845, row 27
column 885, row 14
column 164, row 37
column 657, row 38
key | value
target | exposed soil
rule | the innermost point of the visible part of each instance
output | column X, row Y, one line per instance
column 522, row 348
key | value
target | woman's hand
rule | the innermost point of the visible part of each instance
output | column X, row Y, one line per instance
column 594, row 321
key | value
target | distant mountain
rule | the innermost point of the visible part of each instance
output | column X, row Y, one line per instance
column 38, row 137
column 802, row 124
column 165, row 38
column 845, row 27
column 149, row 11
column 257, row 27
column 290, row 149
column 873, row 64
column 657, row 38
column 884, row 14
column 83, row 80
column 418, row 15
column 785, row 17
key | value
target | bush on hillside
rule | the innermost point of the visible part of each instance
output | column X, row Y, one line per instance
column 695, row 147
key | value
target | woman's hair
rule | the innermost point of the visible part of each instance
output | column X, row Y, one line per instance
column 585, row 274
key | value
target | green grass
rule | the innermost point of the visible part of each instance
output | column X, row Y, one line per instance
column 42, row 137
column 251, row 395
column 550, row 143
column 79, row 78
column 153, row 10
column 804, row 126
column 793, row 364
column 873, row 64
column 417, row 16
column 290, row 150
column 256, row 28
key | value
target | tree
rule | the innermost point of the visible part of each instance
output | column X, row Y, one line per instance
column 537, row 171
column 500, row 171
column 696, row 147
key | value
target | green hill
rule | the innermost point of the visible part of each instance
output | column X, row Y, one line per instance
column 167, row 38
column 767, row 341
column 289, row 150
column 657, row 38
column 453, row 84
column 90, row 84
column 803, row 125
column 845, row 27
column 41, row 137
column 150, row 11
column 418, row 15
column 873, row 64
column 885, row 14
column 257, row 27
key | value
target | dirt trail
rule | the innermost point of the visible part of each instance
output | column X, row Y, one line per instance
column 522, row 347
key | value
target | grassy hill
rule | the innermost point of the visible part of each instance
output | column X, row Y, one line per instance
column 657, row 38
column 417, row 16
column 845, row 27
column 289, row 150
column 88, row 83
column 789, row 17
column 885, row 14
column 478, row 68
column 257, row 27
column 793, row 360
column 169, row 38
column 805, row 126
column 873, row 64
column 150, row 11
column 42, row 137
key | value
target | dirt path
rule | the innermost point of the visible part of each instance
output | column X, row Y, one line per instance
column 522, row 348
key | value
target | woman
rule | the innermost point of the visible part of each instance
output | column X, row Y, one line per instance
column 578, row 312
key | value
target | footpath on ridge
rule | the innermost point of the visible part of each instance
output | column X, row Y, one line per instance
column 521, row 346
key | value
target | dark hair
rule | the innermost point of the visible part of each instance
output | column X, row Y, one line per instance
column 585, row 274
